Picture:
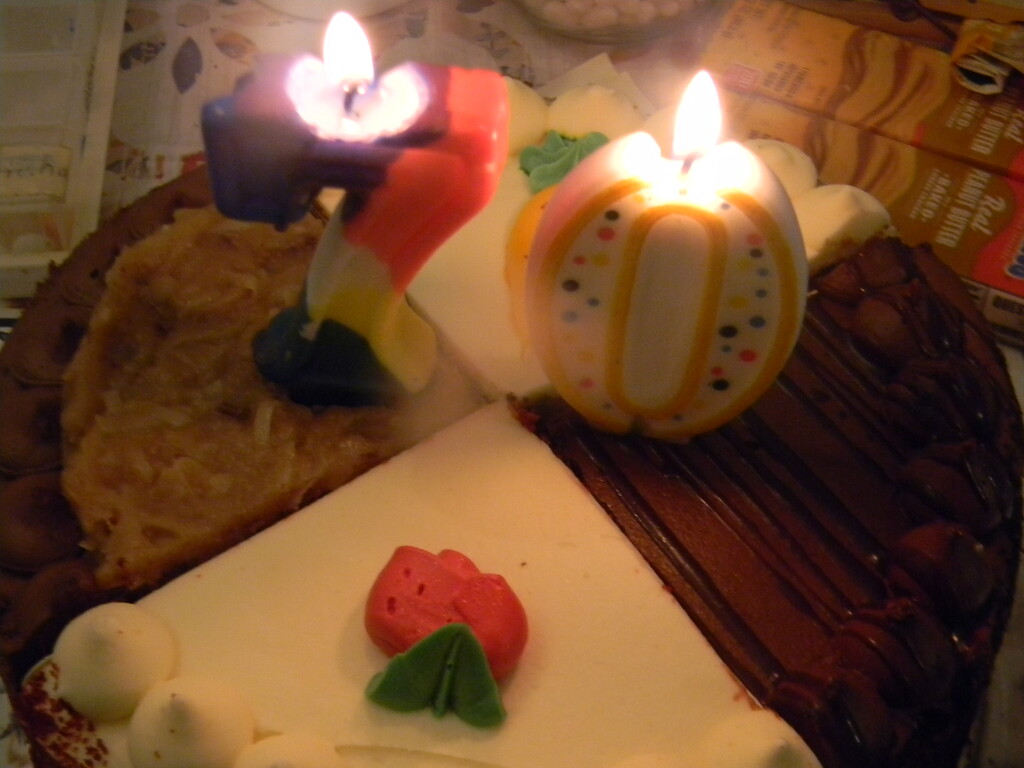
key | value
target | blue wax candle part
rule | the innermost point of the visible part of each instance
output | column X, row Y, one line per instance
column 267, row 164
column 270, row 169
column 252, row 163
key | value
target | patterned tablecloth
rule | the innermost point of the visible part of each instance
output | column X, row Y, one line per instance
column 177, row 54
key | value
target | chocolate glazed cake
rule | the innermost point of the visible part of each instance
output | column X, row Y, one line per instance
column 849, row 544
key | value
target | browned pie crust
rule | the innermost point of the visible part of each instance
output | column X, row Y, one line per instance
column 41, row 590
column 150, row 443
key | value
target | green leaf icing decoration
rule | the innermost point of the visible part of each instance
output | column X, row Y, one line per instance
column 446, row 671
column 552, row 161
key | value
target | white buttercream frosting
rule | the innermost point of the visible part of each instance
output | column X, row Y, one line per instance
column 755, row 739
column 471, row 265
column 832, row 214
column 109, row 657
column 580, row 111
column 290, row 750
column 531, row 116
column 829, row 215
column 791, row 165
column 190, row 722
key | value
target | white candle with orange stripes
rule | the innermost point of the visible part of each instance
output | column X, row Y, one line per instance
column 665, row 294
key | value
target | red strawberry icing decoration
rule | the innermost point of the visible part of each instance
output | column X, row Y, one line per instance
column 419, row 592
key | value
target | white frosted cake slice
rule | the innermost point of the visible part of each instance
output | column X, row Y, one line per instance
column 614, row 674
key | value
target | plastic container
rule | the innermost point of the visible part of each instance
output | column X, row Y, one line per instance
column 58, row 65
column 612, row 22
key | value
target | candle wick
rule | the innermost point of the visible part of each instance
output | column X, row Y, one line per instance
column 351, row 89
column 688, row 161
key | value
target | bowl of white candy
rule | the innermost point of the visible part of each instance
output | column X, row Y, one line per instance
column 610, row 21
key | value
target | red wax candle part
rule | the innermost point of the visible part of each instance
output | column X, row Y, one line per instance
column 418, row 592
column 431, row 191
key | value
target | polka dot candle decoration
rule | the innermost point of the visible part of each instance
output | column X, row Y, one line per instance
column 665, row 294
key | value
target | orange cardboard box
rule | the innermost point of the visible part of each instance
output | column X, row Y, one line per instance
column 973, row 218
column 869, row 79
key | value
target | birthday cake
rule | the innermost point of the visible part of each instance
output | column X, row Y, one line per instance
column 841, row 555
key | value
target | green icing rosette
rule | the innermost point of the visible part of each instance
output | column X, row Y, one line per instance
column 552, row 161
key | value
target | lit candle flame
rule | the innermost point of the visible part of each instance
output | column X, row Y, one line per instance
column 348, row 61
column 339, row 95
column 698, row 123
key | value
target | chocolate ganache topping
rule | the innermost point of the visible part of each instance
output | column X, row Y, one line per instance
column 848, row 545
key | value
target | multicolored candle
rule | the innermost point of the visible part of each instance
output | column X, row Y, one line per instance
column 419, row 151
column 665, row 294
